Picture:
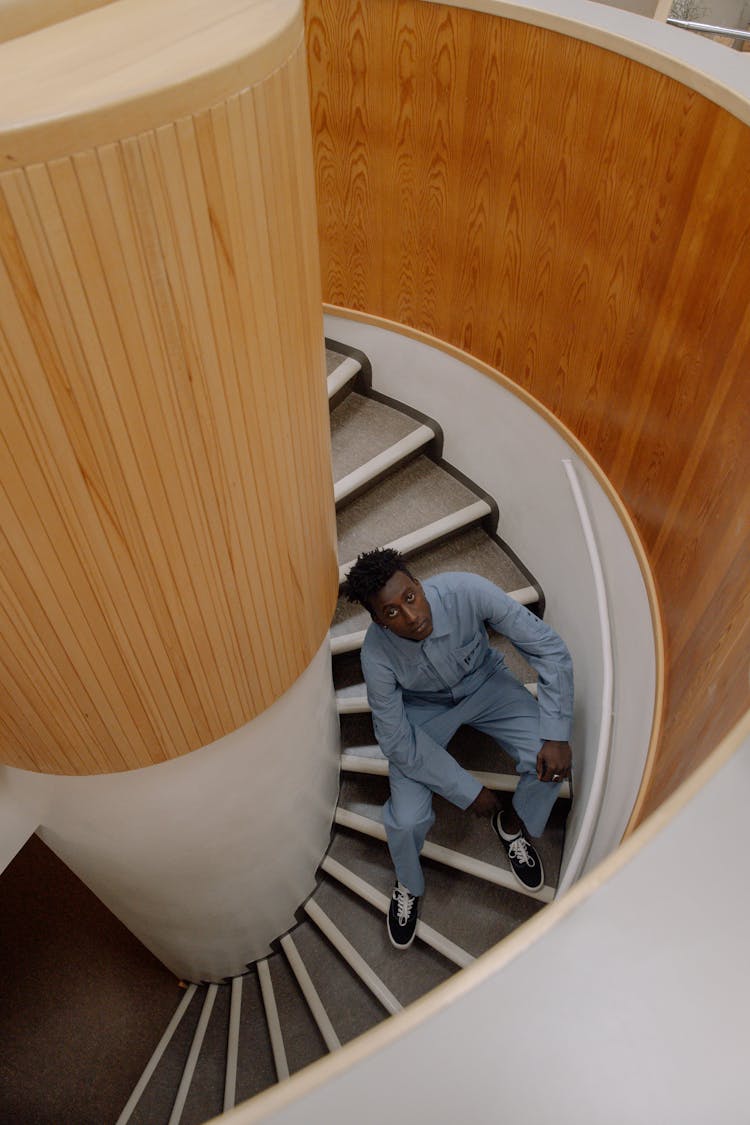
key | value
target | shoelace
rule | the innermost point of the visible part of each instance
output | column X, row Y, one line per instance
column 404, row 904
column 519, row 851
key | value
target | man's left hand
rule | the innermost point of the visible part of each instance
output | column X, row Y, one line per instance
column 553, row 761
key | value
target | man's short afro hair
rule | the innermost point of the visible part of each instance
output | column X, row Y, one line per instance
column 370, row 573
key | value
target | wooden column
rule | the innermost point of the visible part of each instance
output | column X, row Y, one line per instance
column 168, row 562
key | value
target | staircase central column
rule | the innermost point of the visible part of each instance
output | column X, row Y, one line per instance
column 169, row 569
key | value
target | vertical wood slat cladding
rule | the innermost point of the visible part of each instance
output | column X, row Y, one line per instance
column 168, row 566
column 582, row 223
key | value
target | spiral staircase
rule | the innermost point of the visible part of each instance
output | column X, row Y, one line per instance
column 335, row 975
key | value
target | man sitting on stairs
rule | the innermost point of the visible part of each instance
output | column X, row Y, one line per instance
column 429, row 669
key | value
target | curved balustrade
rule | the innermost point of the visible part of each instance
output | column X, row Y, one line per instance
column 579, row 221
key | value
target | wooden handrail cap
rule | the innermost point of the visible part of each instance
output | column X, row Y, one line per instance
column 131, row 66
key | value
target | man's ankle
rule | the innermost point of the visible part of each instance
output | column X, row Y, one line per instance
column 511, row 822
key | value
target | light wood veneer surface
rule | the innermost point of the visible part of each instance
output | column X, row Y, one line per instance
column 168, row 566
column 581, row 223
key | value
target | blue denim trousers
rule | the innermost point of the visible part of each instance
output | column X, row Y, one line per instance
column 501, row 708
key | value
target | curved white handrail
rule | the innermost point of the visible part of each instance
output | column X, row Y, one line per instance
column 596, row 796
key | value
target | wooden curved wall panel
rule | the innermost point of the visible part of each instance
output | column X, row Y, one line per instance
column 168, row 561
column 582, row 223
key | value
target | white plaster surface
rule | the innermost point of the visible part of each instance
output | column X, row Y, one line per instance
column 206, row 857
column 639, row 7
column 511, row 451
column 17, row 821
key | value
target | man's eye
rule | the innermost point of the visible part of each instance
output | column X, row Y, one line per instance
column 390, row 613
column 409, row 598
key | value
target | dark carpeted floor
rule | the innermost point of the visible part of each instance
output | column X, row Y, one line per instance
column 82, row 1002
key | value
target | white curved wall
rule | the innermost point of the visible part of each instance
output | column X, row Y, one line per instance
column 511, row 451
column 205, row 857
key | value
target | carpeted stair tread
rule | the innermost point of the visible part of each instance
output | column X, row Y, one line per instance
column 158, row 1098
column 466, row 910
column 414, row 495
column 302, row 1040
column 364, row 795
column 347, row 671
column 333, row 359
column 206, row 1095
column 255, row 1069
column 351, row 1007
column 365, row 928
column 361, row 428
column 453, row 828
column 471, row 550
column 356, row 730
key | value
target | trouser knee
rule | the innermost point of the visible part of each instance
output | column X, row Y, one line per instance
column 408, row 822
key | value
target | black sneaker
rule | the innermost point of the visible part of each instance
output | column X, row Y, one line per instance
column 402, row 917
column 524, row 858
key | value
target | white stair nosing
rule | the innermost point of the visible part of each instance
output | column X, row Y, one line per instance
column 310, row 993
column 346, row 950
column 342, row 374
column 459, row 862
column 272, row 1020
column 380, row 901
column 233, row 1044
column 352, row 705
column 527, row 595
column 347, row 642
column 350, row 642
column 377, row 766
column 362, row 763
column 414, row 540
column 159, row 1050
column 195, row 1049
column 381, row 463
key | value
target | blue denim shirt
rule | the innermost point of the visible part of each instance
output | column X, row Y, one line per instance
column 452, row 663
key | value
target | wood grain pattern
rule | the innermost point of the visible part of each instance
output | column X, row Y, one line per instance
column 581, row 223
column 168, row 563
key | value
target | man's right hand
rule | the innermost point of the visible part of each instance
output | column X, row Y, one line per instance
column 485, row 803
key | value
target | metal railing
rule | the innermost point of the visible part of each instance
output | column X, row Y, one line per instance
column 712, row 29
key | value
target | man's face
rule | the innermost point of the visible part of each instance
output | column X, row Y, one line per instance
column 401, row 606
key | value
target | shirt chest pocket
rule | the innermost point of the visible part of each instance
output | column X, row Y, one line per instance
column 468, row 657
column 419, row 677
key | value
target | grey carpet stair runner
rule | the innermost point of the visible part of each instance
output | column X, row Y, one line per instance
column 461, row 913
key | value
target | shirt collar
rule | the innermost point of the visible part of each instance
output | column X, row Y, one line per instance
column 440, row 622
